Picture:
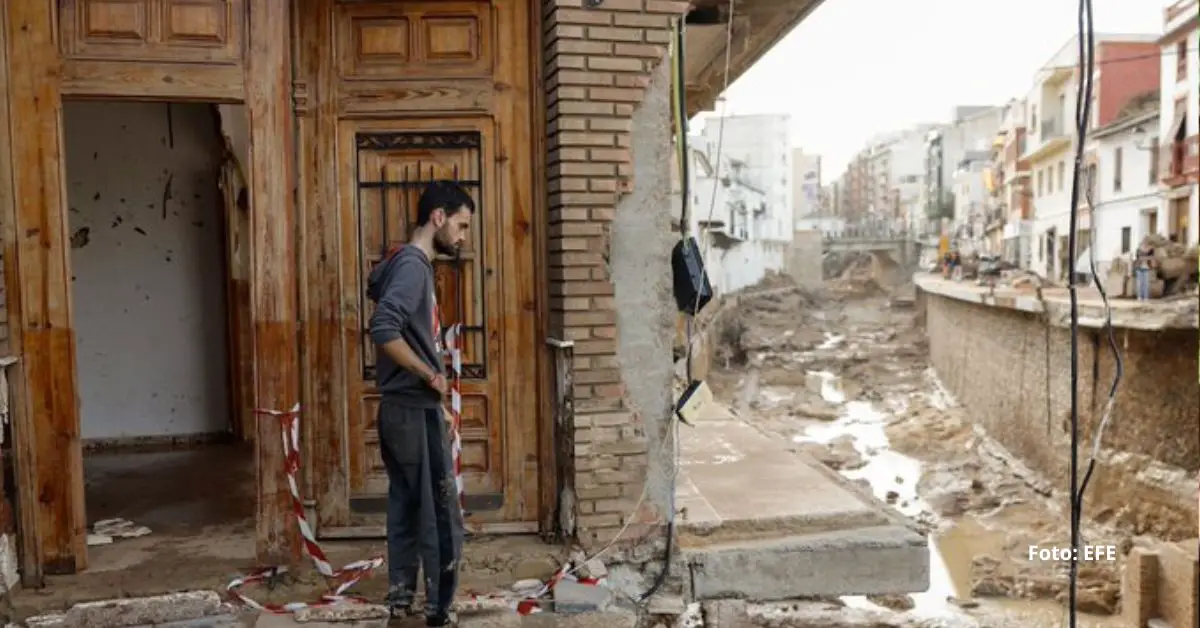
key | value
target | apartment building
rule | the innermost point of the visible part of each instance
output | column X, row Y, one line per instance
column 856, row 187
column 729, row 218
column 762, row 143
column 1126, row 65
column 948, row 148
column 1012, row 211
column 806, row 184
column 1179, row 105
column 1124, row 182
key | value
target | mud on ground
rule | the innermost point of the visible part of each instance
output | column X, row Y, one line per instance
column 844, row 374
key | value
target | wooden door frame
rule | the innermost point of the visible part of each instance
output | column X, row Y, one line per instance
column 45, row 402
column 329, row 252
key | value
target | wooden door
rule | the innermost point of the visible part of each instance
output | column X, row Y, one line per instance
column 477, row 131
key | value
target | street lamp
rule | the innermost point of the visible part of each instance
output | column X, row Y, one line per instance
column 1141, row 139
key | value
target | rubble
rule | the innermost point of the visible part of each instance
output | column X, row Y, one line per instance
column 968, row 486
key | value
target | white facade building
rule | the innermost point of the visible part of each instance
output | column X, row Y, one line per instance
column 907, row 174
column 806, row 184
column 763, row 144
column 728, row 217
column 1126, row 200
column 829, row 226
column 1179, row 105
column 1050, row 149
column 970, row 203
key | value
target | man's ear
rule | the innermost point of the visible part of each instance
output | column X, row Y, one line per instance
column 438, row 218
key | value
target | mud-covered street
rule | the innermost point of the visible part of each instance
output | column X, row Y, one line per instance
column 843, row 375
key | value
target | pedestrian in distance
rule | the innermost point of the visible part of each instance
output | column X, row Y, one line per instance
column 1143, row 269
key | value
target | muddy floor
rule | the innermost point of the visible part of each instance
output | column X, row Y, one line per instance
column 843, row 375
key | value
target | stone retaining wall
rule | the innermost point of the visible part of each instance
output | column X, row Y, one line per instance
column 1011, row 372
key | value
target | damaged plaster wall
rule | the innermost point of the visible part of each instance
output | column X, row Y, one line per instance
column 640, row 261
column 148, row 268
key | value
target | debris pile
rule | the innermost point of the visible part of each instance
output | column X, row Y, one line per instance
column 1175, row 270
column 857, row 278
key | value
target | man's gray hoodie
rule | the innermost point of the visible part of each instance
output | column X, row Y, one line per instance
column 401, row 286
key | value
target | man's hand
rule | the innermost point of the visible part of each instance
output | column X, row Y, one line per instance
column 438, row 382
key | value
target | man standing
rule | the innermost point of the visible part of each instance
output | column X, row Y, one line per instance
column 424, row 520
column 1143, row 265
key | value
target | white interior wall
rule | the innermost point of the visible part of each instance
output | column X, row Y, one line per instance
column 148, row 268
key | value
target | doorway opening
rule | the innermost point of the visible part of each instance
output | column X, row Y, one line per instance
column 159, row 306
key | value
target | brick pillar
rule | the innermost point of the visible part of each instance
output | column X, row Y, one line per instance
column 597, row 63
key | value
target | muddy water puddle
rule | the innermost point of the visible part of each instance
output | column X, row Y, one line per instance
column 894, row 478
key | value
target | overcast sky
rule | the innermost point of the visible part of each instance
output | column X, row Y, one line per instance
column 857, row 67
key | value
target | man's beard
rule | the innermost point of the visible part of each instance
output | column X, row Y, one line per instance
column 445, row 249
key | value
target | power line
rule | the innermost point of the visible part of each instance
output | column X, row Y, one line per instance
column 1083, row 107
column 1102, row 62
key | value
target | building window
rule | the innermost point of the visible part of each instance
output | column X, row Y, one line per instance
column 1062, row 175
column 1181, row 53
column 1041, row 183
column 1117, row 155
column 1153, row 160
column 1033, row 117
column 1126, row 239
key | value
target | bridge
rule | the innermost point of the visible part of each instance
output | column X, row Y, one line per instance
column 896, row 242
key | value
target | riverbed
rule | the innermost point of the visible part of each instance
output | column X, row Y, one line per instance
column 846, row 380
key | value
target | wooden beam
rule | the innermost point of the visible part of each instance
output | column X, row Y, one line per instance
column 325, row 362
column 757, row 27
column 24, row 467
column 273, row 266
column 150, row 81
column 549, row 481
column 49, row 458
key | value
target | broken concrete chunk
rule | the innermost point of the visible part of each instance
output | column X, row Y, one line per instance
column 574, row 597
column 159, row 609
column 119, row 529
column 593, row 568
column 340, row 613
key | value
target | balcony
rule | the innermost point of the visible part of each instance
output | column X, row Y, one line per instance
column 1052, row 128
column 1180, row 162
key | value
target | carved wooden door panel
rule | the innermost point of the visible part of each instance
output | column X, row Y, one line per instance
column 207, row 31
column 472, row 127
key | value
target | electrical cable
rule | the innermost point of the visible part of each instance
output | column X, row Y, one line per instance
column 679, row 98
column 1083, row 105
column 1103, row 62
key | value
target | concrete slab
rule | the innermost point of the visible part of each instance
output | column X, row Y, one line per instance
column 1172, row 313
column 764, row 523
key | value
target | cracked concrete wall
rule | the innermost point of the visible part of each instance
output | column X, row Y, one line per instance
column 608, row 140
column 147, row 260
column 641, row 272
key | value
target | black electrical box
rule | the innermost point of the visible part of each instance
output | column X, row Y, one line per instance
column 691, row 286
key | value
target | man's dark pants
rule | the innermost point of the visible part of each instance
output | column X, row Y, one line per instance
column 424, row 520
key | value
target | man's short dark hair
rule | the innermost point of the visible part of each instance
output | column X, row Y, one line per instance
column 444, row 195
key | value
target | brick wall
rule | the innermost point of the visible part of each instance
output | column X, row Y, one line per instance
column 1129, row 69
column 598, row 65
column 1012, row 373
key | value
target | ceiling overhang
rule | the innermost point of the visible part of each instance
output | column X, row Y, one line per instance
column 757, row 26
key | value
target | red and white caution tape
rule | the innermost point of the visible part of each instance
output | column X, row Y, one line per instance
column 341, row 579
column 454, row 347
column 530, row 602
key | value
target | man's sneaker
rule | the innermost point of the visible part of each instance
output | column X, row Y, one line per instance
column 443, row 618
column 400, row 611
column 399, row 602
